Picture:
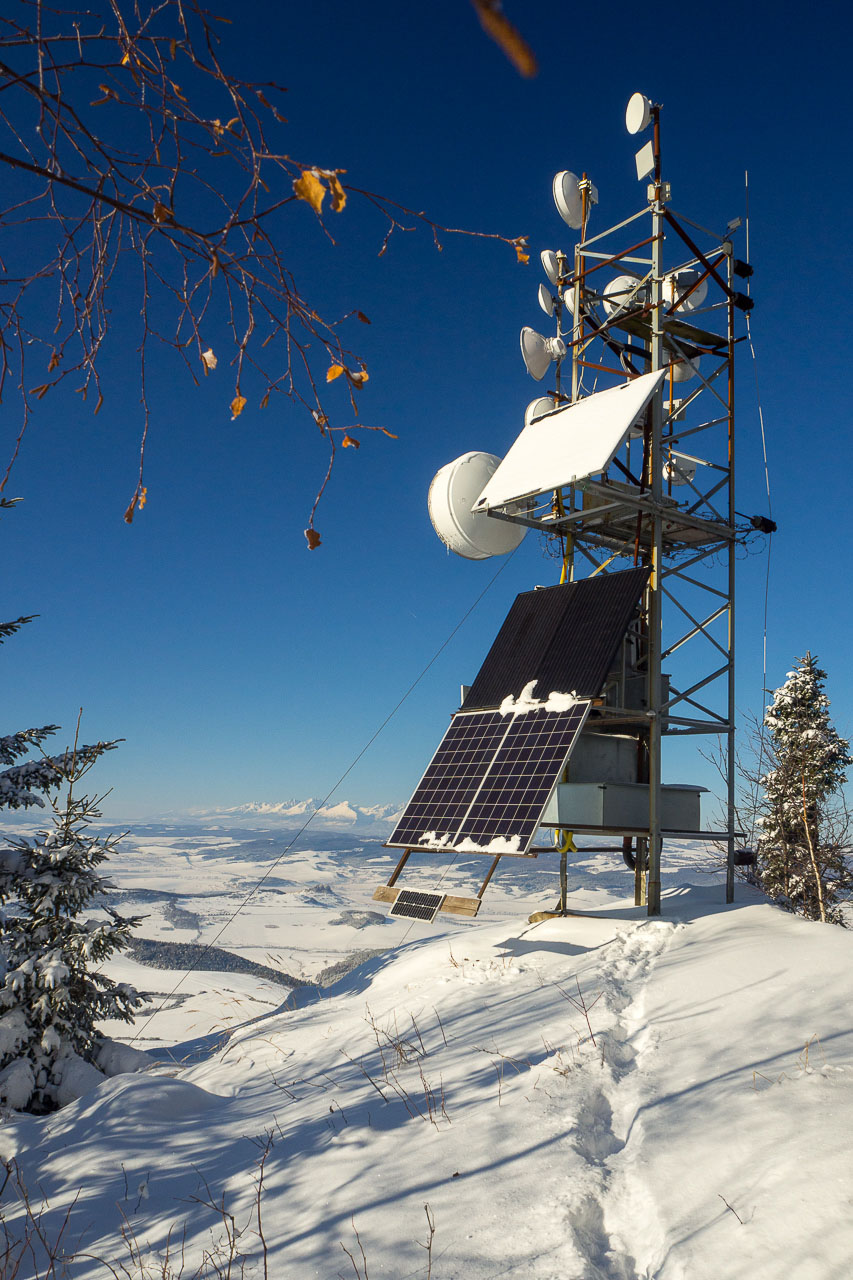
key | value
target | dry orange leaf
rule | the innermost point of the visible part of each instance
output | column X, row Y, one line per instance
column 362, row 317
column 308, row 187
column 334, row 371
column 238, row 404
column 339, row 196
column 350, row 442
column 520, row 246
column 498, row 26
column 359, row 377
column 208, row 359
column 143, row 498
column 313, row 539
column 162, row 213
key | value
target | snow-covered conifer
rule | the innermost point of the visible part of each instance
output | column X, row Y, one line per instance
column 55, row 932
column 803, row 822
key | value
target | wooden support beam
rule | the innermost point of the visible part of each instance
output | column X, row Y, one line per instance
column 452, row 905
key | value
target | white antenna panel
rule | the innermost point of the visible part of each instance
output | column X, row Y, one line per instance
column 570, row 443
column 567, row 198
column 451, row 497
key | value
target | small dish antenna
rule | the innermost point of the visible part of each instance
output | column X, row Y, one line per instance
column 547, row 300
column 685, row 369
column 567, row 198
column 537, row 409
column 550, row 265
column 538, row 352
column 678, row 283
column 452, row 494
column 679, row 468
column 623, row 292
column 638, row 113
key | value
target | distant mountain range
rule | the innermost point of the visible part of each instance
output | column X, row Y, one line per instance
column 343, row 816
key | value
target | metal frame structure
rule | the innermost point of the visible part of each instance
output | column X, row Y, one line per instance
column 665, row 501
column 633, row 510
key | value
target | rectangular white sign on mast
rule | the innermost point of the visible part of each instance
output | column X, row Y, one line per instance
column 569, row 444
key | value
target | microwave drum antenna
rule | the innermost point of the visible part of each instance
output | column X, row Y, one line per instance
column 454, row 490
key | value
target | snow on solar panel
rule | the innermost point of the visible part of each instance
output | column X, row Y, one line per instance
column 577, row 440
column 416, row 905
column 490, row 779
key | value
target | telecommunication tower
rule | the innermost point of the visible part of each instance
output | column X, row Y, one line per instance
column 628, row 464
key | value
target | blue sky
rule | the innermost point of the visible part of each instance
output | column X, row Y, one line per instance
column 237, row 664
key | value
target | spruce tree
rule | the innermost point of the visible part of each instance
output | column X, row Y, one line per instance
column 55, row 927
column 801, row 849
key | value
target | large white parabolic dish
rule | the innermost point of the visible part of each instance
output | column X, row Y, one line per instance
column 451, row 500
column 570, row 443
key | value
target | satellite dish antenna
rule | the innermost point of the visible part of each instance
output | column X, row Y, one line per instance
column 638, row 113
column 678, row 283
column 546, row 300
column 452, row 494
column 622, row 293
column 679, row 468
column 685, row 369
column 569, row 299
column 538, row 352
column 567, row 198
column 550, row 264
column 537, row 408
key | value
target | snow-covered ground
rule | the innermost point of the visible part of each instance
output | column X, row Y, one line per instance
column 598, row 1096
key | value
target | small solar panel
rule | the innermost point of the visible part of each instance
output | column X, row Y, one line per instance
column 415, row 905
column 489, row 781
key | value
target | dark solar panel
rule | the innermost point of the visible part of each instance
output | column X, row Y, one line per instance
column 565, row 638
column 516, row 789
column 446, row 790
column 490, row 780
column 414, row 905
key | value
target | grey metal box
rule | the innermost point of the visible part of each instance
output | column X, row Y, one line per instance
column 604, row 757
column 619, row 806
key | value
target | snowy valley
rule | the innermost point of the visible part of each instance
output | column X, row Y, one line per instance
column 598, row 1096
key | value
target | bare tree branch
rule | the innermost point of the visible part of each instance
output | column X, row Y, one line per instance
column 132, row 149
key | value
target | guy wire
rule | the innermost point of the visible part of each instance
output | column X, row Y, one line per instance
column 325, row 801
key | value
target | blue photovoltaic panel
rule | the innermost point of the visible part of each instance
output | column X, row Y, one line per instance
column 453, row 778
column 490, row 779
column 517, row 787
column 413, row 905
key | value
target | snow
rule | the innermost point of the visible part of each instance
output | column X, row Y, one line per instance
column 600, row 1097
column 526, row 701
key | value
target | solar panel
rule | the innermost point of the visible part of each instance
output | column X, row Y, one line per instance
column 570, row 443
column 563, row 637
column 415, row 905
column 452, row 779
column 518, row 786
column 489, row 781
